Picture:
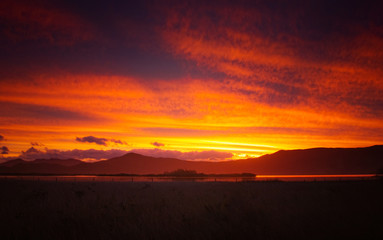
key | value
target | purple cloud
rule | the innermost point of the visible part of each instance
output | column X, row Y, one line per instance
column 31, row 150
column 118, row 141
column 157, row 144
column 1, row 138
column 96, row 155
column 90, row 154
column 92, row 139
column 37, row 144
column 100, row 141
column 4, row 150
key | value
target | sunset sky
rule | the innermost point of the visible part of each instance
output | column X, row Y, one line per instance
column 198, row 80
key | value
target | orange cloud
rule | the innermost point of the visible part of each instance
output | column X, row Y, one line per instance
column 203, row 114
column 281, row 69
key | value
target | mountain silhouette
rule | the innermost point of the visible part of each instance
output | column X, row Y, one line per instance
column 305, row 161
column 39, row 166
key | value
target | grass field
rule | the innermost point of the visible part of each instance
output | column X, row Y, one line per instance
column 190, row 210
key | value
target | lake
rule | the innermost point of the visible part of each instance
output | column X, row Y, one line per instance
column 87, row 178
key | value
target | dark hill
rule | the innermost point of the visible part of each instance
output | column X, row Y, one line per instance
column 130, row 163
column 43, row 166
column 319, row 161
column 61, row 162
column 307, row 161
column 12, row 163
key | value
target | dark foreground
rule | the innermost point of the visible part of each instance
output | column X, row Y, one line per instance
column 187, row 210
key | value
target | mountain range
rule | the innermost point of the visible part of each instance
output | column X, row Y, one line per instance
column 304, row 161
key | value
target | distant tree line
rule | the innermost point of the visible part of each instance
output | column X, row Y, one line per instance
column 184, row 173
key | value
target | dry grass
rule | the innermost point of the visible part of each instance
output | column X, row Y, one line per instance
column 187, row 210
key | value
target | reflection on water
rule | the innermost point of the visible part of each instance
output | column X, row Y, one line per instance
column 91, row 178
column 317, row 177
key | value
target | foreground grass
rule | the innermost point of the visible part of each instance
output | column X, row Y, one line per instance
column 187, row 210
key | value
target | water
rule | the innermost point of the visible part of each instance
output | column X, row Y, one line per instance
column 91, row 178
column 335, row 177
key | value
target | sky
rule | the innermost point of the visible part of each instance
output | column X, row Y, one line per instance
column 195, row 80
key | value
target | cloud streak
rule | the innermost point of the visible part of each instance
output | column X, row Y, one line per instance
column 41, row 113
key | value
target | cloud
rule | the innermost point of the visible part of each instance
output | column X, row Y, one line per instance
column 90, row 154
column 95, row 155
column 37, row 21
column 91, row 139
column 30, row 151
column 267, row 57
column 157, row 144
column 1, row 138
column 118, row 141
column 27, row 112
column 37, row 144
column 100, row 141
column 192, row 155
column 4, row 150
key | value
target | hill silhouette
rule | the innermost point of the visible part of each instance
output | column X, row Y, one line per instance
column 304, row 161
